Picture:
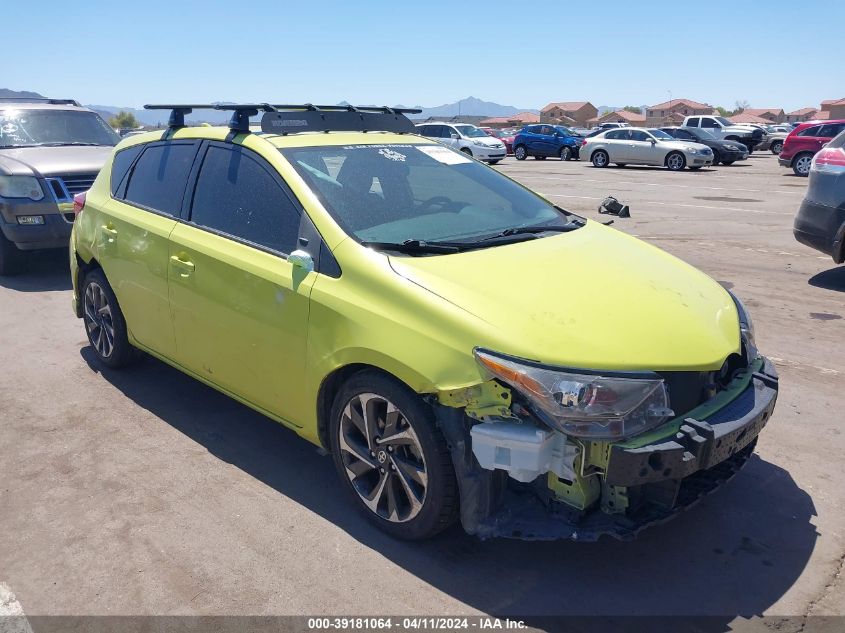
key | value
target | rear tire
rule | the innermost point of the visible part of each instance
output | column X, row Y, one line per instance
column 12, row 259
column 801, row 164
column 492, row 162
column 104, row 322
column 727, row 162
column 405, row 487
column 520, row 153
column 600, row 158
column 676, row 161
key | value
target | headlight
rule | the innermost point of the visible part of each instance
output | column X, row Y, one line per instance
column 20, row 187
column 595, row 406
column 479, row 144
column 746, row 327
column 732, row 148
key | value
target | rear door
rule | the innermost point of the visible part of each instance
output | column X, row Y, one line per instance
column 133, row 236
column 240, row 309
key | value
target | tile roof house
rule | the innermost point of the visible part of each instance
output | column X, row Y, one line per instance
column 804, row 114
column 771, row 115
column 673, row 112
column 832, row 109
column 617, row 116
column 512, row 120
column 747, row 117
column 568, row 113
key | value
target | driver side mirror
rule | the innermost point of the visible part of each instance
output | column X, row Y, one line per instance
column 454, row 136
column 653, row 141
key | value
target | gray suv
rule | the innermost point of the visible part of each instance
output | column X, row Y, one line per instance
column 50, row 150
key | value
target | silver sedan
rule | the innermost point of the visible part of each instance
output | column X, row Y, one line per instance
column 644, row 146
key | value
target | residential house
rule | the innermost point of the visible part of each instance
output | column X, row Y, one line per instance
column 673, row 112
column 571, row 113
column 804, row 114
column 746, row 117
column 832, row 109
column 770, row 115
column 512, row 120
column 635, row 119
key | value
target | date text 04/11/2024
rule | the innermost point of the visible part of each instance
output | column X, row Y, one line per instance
column 423, row 623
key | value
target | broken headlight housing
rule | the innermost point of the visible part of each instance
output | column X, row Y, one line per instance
column 580, row 403
column 746, row 328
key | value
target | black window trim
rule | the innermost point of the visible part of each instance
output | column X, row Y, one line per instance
column 117, row 193
column 128, row 177
column 286, row 190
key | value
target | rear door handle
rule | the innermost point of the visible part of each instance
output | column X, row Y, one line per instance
column 187, row 267
column 111, row 232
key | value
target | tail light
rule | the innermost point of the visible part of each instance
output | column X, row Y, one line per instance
column 830, row 159
column 79, row 203
column 583, row 142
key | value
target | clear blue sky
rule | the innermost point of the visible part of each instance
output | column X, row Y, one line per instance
column 772, row 53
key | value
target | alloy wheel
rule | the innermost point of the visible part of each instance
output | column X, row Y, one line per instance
column 675, row 162
column 600, row 159
column 383, row 457
column 98, row 320
column 802, row 165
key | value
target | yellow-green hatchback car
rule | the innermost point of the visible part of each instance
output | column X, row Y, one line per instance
column 463, row 348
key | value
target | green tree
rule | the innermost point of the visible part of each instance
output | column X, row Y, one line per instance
column 124, row 120
column 633, row 109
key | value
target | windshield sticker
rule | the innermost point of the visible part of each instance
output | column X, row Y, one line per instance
column 443, row 154
column 389, row 153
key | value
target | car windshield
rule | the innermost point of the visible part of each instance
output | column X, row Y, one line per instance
column 660, row 134
column 497, row 133
column 401, row 193
column 565, row 131
column 27, row 128
column 470, row 131
column 724, row 121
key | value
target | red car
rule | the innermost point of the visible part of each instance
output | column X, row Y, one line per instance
column 804, row 141
column 505, row 137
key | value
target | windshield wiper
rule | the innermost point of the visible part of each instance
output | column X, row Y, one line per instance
column 415, row 247
column 533, row 230
column 71, row 143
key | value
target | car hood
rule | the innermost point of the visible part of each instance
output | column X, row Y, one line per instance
column 487, row 141
column 591, row 298
column 48, row 161
column 683, row 144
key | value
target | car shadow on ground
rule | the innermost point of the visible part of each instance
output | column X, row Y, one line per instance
column 737, row 552
column 832, row 279
column 44, row 271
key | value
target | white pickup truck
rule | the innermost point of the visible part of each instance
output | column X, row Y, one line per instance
column 726, row 130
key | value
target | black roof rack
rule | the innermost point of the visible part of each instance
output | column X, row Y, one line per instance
column 289, row 118
column 46, row 100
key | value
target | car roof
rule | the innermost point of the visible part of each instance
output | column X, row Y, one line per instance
column 302, row 139
column 35, row 105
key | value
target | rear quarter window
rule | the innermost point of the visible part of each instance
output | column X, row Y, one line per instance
column 120, row 167
column 160, row 176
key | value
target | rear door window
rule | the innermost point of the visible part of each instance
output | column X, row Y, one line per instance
column 160, row 175
column 810, row 131
column 830, row 130
column 240, row 195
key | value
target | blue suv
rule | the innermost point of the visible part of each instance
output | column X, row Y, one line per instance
column 542, row 140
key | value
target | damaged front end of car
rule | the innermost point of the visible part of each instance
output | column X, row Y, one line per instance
column 545, row 453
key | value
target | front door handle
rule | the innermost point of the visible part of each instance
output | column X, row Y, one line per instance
column 186, row 267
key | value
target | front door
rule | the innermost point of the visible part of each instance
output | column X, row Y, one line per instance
column 240, row 309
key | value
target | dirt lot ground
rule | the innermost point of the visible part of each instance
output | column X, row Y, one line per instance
column 144, row 492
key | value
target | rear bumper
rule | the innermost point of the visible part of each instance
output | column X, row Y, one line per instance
column 821, row 227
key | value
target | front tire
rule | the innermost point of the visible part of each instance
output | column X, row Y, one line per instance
column 520, row 153
column 492, row 162
column 467, row 151
column 104, row 322
column 392, row 458
column 600, row 158
column 676, row 161
column 11, row 258
column 727, row 162
column 565, row 153
column 776, row 147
